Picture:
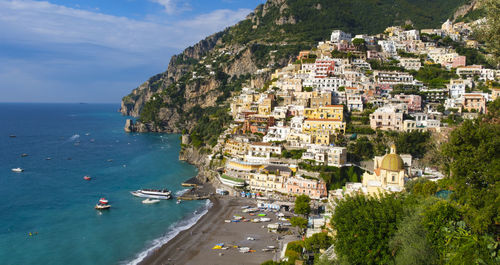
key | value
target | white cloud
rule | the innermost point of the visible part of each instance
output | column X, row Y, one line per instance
column 33, row 21
column 52, row 53
column 171, row 6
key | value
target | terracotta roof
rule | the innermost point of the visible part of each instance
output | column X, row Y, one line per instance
column 263, row 144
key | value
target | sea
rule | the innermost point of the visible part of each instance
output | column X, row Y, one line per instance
column 47, row 213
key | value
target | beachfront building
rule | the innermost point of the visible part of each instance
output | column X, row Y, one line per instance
column 232, row 181
column 314, row 188
column 389, row 174
column 387, row 118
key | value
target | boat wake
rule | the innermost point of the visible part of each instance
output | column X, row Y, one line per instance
column 74, row 137
column 173, row 230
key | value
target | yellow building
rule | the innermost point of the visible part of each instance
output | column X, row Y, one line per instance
column 235, row 147
column 389, row 174
column 332, row 126
column 266, row 107
column 326, row 112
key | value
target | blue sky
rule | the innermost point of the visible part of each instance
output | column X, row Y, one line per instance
column 99, row 50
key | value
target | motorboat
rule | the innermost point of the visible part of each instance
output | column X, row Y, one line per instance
column 100, row 206
column 153, row 194
column 24, row 155
column 12, row 136
column 150, row 201
column 178, row 201
column 87, row 178
column 17, row 169
column 103, row 201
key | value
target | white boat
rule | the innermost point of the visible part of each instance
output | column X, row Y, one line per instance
column 178, row 201
column 153, row 194
column 17, row 169
column 100, row 206
column 150, row 201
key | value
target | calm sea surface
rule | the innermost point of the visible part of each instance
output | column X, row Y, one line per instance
column 51, row 200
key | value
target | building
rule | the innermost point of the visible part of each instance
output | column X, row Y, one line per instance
column 410, row 63
column 339, row 35
column 277, row 134
column 332, row 126
column 315, row 189
column 413, row 102
column 393, row 78
column 387, row 118
column 257, row 123
column 474, row 103
column 326, row 112
column 354, row 99
column 237, row 147
column 389, row 175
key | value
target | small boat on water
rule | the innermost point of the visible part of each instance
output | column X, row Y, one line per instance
column 87, row 178
column 24, row 155
column 178, row 201
column 17, row 169
column 150, row 201
column 102, row 206
column 12, row 136
column 154, row 194
column 48, row 158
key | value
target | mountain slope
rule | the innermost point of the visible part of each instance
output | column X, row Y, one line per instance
column 190, row 95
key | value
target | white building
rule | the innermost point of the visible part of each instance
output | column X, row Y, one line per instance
column 339, row 35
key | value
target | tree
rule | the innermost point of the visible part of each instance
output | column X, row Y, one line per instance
column 410, row 242
column 362, row 149
column 473, row 163
column 364, row 227
column 414, row 143
column 302, row 205
column 300, row 223
column 317, row 241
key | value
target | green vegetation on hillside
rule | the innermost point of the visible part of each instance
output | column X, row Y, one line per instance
column 314, row 19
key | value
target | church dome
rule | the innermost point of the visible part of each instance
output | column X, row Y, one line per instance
column 392, row 161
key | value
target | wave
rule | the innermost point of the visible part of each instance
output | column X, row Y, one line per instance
column 174, row 230
column 181, row 192
column 74, row 137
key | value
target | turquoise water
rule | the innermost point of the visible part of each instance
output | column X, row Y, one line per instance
column 51, row 198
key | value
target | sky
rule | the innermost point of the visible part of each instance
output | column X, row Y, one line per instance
column 97, row 51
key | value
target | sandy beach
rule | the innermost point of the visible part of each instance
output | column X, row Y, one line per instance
column 194, row 246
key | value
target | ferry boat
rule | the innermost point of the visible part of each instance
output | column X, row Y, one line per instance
column 154, row 194
column 17, row 169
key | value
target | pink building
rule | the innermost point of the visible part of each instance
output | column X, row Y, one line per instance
column 313, row 188
column 414, row 102
column 458, row 61
column 474, row 102
column 387, row 118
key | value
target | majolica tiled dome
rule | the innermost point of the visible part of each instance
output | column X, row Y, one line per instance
column 392, row 161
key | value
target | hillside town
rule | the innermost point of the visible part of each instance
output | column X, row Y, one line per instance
column 344, row 88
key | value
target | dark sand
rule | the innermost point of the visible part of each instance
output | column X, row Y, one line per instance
column 194, row 246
